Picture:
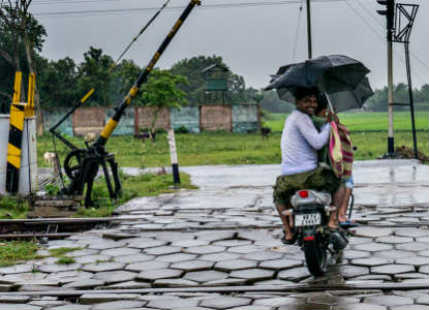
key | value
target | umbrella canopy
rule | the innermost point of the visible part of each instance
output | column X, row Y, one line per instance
column 341, row 101
column 337, row 75
column 347, row 100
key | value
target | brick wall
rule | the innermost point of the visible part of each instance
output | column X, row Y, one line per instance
column 216, row 117
column 88, row 120
column 144, row 116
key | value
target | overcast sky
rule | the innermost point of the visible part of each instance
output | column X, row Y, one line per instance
column 253, row 40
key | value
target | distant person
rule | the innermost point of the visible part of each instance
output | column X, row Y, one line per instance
column 300, row 143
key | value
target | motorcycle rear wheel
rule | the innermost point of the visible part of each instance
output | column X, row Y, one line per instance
column 316, row 257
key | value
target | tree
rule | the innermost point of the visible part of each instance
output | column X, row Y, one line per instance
column 162, row 91
column 195, row 89
column 21, row 35
column 96, row 72
column 125, row 75
column 58, row 83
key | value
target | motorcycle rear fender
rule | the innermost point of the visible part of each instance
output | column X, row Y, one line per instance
column 309, row 234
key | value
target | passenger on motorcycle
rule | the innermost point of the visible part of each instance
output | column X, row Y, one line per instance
column 300, row 170
column 347, row 183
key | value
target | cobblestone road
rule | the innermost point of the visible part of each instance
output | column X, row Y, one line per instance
column 227, row 234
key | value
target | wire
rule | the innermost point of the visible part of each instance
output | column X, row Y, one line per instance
column 206, row 6
column 134, row 40
column 297, row 30
column 382, row 37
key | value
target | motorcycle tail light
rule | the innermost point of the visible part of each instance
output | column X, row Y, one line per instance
column 303, row 194
column 309, row 238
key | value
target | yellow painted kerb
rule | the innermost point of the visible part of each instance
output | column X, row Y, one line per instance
column 108, row 129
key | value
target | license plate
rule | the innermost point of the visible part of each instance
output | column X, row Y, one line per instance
column 310, row 219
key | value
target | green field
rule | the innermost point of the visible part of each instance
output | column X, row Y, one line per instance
column 238, row 149
column 365, row 121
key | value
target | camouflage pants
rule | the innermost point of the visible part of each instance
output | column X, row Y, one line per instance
column 318, row 179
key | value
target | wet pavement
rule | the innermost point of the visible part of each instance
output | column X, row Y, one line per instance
column 227, row 234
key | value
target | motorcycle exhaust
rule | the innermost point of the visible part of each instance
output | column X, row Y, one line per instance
column 339, row 241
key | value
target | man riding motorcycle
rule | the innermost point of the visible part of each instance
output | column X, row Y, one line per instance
column 300, row 170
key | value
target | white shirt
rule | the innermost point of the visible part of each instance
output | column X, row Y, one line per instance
column 300, row 143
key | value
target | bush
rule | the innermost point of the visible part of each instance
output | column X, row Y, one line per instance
column 181, row 129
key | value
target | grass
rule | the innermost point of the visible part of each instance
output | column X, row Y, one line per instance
column 14, row 252
column 236, row 149
column 132, row 187
column 365, row 121
column 66, row 260
column 59, row 252
column 13, row 207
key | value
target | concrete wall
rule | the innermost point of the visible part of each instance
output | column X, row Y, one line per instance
column 28, row 172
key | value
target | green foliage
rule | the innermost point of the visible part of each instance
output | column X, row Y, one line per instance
column 15, row 28
column 52, row 189
column 161, row 90
column 132, row 187
column 196, row 88
column 95, row 72
column 66, row 260
column 57, row 84
column 378, row 102
column 58, row 252
column 13, row 207
column 14, row 252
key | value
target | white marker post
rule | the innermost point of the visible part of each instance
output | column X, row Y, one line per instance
column 173, row 156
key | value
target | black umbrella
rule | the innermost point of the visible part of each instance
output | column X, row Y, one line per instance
column 331, row 74
column 341, row 101
column 347, row 100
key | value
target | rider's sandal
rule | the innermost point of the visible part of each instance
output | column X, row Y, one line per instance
column 290, row 241
column 348, row 224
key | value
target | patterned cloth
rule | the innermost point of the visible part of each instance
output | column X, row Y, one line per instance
column 340, row 151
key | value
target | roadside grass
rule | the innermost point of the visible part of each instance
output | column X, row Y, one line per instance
column 132, row 187
column 59, row 252
column 17, row 251
column 13, row 207
column 64, row 260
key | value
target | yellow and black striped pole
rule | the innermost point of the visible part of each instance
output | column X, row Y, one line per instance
column 113, row 122
column 16, row 127
column 29, row 107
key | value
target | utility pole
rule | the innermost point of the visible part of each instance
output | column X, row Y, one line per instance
column 389, row 12
column 310, row 51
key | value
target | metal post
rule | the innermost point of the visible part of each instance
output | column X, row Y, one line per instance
column 390, row 139
column 173, row 156
column 411, row 98
column 310, row 49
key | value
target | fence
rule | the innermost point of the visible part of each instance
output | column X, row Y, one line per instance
column 237, row 118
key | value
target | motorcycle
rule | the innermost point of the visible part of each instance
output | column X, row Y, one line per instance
column 311, row 211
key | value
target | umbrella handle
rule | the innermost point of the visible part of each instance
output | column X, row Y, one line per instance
column 330, row 103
